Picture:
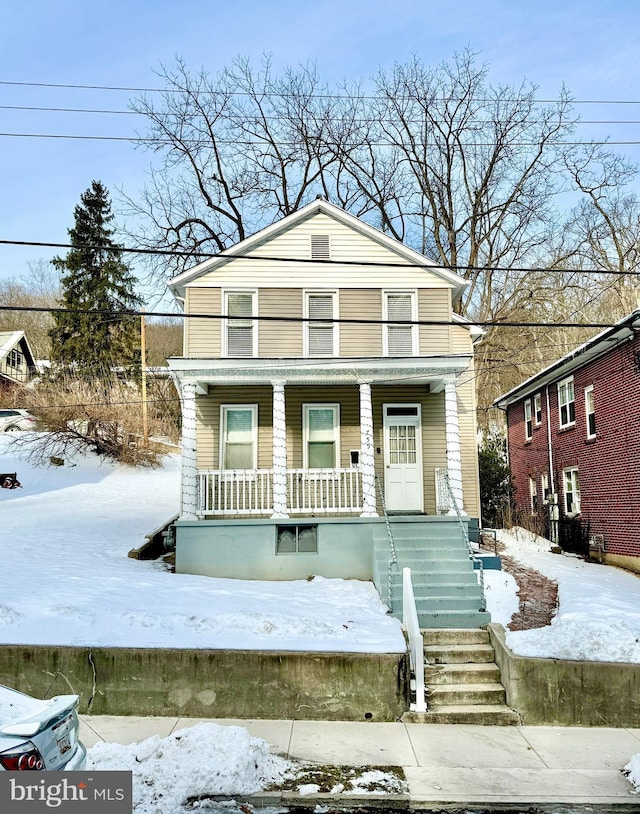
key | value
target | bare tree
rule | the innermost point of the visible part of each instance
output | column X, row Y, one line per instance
column 38, row 289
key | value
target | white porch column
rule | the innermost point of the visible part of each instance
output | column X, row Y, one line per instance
column 279, row 452
column 188, row 479
column 367, row 461
column 454, row 456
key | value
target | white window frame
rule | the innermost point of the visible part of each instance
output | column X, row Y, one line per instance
column 528, row 420
column 306, row 409
column 226, row 322
column 537, row 409
column 224, row 410
column 590, row 410
column 308, row 295
column 413, row 294
column 14, row 358
column 571, row 486
column 533, row 494
column 566, row 403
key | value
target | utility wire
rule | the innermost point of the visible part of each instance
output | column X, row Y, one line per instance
column 306, row 260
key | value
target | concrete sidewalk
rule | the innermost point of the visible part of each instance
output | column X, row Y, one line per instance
column 445, row 765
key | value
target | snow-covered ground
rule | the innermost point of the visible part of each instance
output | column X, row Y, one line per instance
column 66, row 579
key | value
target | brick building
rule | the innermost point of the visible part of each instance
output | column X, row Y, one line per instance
column 574, row 442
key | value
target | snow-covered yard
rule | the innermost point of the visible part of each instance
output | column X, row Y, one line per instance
column 67, row 580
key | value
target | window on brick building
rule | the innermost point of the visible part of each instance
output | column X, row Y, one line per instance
column 571, row 491
column 528, row 423
column 544, row 480
column 537, row 408
column 566, row 403
column 590, row 411
column 533, row 494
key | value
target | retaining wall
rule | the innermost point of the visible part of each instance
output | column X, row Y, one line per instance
column 553, row 692
column 213, row 683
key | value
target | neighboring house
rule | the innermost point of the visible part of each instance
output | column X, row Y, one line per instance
column 312, row 400
column 574, row 442
column 17, row 365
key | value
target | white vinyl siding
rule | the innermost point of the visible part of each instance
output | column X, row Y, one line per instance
column 571, row 491
column 566, row 403
column 321, row 430
column 400, row 340
column 240, row 328
column 321, row 335
column 239, row 436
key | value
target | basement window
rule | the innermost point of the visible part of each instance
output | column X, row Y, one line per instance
column 296, row 540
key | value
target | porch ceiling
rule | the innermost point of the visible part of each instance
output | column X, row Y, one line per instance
column 431, row 370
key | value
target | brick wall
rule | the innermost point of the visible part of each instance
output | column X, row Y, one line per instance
column 608, row 465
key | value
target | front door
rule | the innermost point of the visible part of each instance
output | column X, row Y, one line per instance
column 403, row 458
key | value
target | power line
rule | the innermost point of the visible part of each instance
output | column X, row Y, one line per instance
column 306, row 260
column 122, row 314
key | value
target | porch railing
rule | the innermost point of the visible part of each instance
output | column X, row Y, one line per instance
column 250, row 492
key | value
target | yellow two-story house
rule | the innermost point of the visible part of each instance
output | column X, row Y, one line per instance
column 327, row 389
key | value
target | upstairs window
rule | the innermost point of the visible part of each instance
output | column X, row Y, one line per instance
column 321, row 428
column 239, row 436
column 240, row 328
column 399, row 339
column 14, row 358
column 590, row 411
column 528, row 422
column 566, row 403
column 320, row 247
column 321, row 338
column 571, row 491
column 537, row 408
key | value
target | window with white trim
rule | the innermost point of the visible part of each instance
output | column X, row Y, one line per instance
column 537, row 408
column 590, row 411
column 533, row 494
column 321, row 331
column 571, row 491
column 14, row 358
column 321, row 433
column 239, row 436
column 528, row 421
column 566, row 403
column 240, row 333
column 399, row 339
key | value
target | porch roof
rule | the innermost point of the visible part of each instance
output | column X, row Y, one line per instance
column 422, row 370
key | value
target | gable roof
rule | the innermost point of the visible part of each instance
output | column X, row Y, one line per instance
column 319, row 206
column 10, row 339
column 599, row 345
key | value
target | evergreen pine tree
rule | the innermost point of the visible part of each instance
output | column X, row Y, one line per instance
column 94, row 277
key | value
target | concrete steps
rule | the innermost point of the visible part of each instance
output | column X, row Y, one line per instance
column 462, row 680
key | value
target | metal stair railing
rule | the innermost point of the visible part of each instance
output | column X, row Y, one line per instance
column 394, row 554
column 465, row 534
column 411, row 625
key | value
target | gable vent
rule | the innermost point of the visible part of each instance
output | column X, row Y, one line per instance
column 320, row 247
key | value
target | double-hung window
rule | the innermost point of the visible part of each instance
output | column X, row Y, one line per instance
column 241, row 334
column 321, row 334
column 571, row 491
column 321, row 431
column 566, row 403
column 537, row 408
column 14, row 358
column 544, row 480
column 590, row 411
column 533, row 494
column 528, row 421
column 400, row 339
column 239, row 436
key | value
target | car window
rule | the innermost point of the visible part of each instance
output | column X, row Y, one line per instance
column 8, row 413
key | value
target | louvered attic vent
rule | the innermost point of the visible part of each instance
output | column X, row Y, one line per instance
column 320, row 247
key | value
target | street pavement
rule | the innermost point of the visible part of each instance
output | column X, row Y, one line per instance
column 446, row 766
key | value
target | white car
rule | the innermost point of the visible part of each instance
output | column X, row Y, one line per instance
column 38, row 735
column 14, row 420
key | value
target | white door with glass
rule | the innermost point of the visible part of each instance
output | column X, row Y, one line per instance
column 403, row 484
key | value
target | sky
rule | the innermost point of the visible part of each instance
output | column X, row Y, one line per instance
column 113, row 600
column 589, row 46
